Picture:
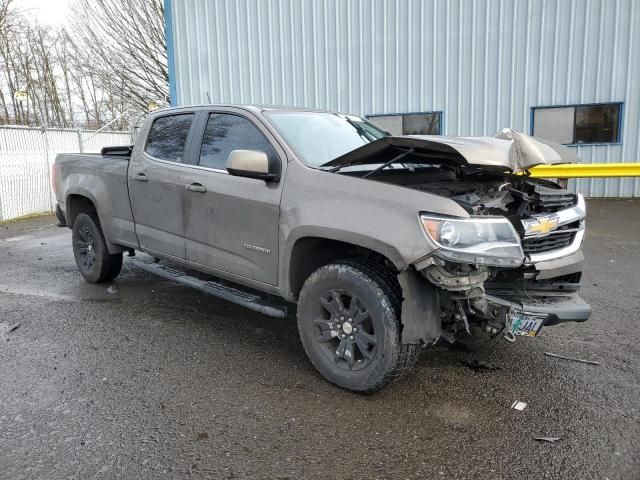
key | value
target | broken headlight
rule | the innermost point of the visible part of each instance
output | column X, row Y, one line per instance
column 476, row 240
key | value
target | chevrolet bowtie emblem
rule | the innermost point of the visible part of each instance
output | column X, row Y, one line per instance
column 540, row 224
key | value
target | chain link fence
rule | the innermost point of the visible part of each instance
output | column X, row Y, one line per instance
column 26, row 157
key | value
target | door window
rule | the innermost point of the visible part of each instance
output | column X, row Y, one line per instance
column 227, row 132
column 168, row 137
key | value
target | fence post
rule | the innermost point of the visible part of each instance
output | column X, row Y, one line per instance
column 45, row 132
column 80, row 143
column 4, row 142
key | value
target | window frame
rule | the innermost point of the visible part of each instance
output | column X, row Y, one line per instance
column 440, row 114
column 196, row 134
column 574, row 106
column 186, row 154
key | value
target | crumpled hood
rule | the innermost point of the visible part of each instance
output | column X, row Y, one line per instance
column 506, row 150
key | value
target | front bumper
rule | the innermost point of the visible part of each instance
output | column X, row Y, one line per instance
column 554, row 307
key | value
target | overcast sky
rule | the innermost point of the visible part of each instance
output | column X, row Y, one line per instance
column 48, row 12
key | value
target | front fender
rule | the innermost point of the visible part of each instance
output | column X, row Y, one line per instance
column 367, row 213
column 345, row 236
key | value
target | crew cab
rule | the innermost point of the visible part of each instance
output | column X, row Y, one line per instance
column 381, row 244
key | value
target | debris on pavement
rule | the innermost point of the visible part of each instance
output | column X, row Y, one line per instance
column 478, row 366
column 112, row 289
column 14, row 328
column 547, row 439
column 518, row 405
column 579, row 360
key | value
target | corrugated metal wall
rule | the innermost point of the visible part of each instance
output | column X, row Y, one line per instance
column 484, row 63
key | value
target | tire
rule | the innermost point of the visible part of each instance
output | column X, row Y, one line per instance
column 369, row 299
column 94, row 261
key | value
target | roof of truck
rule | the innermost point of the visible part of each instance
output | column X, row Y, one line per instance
column 248, row 106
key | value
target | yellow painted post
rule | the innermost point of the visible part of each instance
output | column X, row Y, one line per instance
column 586, row 170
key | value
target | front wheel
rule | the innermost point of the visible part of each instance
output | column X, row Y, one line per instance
column 94, row 261
column 349, row 325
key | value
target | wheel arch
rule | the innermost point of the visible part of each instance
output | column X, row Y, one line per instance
column 310, row 252
column 420, row 315
column 77, row 203
column 83, row 202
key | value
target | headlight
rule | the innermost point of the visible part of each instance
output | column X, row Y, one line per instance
column 476, row 240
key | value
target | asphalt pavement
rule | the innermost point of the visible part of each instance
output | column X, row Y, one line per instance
column 156, row 380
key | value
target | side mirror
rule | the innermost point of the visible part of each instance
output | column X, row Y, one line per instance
column 251, row 164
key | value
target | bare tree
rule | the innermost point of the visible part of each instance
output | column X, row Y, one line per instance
column 106, row 69
column 27, row 67
column 126, row 43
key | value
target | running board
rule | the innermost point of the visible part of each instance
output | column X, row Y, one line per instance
column 217, row 288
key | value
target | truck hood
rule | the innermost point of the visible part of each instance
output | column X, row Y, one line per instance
column 507, row 150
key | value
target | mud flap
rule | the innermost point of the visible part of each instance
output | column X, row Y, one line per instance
column 420, row 309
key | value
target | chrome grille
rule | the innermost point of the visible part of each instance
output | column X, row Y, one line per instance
column 550, row 200
column 553, row 241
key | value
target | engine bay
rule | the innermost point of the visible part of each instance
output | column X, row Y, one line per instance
column 480, row 192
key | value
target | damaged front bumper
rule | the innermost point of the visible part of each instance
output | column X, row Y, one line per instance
column 551, row 308
column 504, row 302
column 435, row 306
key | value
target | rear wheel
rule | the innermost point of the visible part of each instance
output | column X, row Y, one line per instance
column 94, row 261
column 349, row 324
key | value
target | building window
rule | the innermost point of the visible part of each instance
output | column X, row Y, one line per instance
column 578, row 124
column 424, row 123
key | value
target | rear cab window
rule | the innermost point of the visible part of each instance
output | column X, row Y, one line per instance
column 168, row 137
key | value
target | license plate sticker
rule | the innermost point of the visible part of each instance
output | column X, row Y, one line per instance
column 526, row 324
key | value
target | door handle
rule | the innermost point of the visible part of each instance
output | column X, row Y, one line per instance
column 195, row 187
column 140, row 177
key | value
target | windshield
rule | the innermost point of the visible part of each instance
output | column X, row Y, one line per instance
column 318, row 137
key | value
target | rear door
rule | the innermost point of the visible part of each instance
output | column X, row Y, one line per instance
column 231, row 223
column 156, row 185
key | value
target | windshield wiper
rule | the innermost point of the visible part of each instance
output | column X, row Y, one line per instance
column 386, row 164
column 361, row 131
column 336, row 168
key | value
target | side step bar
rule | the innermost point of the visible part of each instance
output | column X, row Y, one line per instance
column 217, row 288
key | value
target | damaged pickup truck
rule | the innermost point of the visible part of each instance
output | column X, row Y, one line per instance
column 382, row 244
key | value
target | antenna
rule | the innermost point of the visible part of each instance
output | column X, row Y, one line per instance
column 208, row 97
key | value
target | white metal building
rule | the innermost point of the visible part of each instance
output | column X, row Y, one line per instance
column 568, row 70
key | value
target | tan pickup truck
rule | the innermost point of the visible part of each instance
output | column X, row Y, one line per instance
column 381, row 244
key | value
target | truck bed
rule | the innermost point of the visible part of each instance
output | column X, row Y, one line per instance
column 101, row 177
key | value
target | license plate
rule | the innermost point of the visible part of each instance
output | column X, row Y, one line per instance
column 526, row 324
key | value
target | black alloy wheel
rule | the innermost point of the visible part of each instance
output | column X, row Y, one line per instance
column 349, row 325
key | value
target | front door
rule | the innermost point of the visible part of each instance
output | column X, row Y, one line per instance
column 231, row 223
column 156, row 185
